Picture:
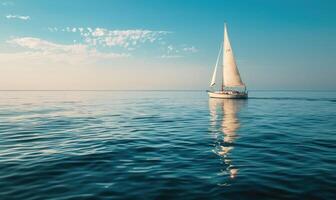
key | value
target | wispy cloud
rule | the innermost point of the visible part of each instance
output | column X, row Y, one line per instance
column 191, row 49
column 72, row 54
column 129, row 39
column 114, row 38
column 125, row 38
column 18, row 17
column 179, row 51
column 171, row 56
column 7, row 3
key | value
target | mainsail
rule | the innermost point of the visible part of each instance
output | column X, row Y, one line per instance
column 231, row 74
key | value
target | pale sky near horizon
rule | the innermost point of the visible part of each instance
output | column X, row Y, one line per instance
column 165, row 44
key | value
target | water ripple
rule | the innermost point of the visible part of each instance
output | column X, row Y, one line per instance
column 165, row 145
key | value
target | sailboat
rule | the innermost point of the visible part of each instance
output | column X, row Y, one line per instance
column 232, row 86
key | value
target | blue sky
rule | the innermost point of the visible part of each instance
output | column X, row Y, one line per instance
column 167, row 44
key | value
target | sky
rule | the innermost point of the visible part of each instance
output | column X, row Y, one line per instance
column 165, row 44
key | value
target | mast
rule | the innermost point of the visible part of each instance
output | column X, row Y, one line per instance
column 223, row 57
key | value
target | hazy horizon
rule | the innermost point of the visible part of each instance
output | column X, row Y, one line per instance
column 165, row 45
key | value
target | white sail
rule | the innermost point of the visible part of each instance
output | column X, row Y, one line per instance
column 213, row 80
column 231, row 74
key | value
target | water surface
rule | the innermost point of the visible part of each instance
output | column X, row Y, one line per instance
column 166, row 145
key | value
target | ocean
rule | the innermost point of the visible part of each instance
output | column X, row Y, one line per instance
column 167, row 145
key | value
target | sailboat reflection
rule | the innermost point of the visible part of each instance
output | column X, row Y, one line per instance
column 224, row 123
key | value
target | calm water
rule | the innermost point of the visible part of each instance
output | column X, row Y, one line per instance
column 167, row 145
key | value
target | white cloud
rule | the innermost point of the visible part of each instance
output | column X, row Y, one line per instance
column 190, row 49
column 129, row 39
column 53, row 29
column 171, row 56
column 99, row 32
column 18, row 17
column 7, row 3
column 170, row 48
column 43, row 45
column 124, row 38
column 118, row 38
column 71, row 54
column 179, row 51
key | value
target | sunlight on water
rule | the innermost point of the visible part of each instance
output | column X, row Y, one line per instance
column 225, row 124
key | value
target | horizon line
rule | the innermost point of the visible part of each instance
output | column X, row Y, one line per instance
column 161, row 90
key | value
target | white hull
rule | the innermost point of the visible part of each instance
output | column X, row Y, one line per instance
column 227, row 95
